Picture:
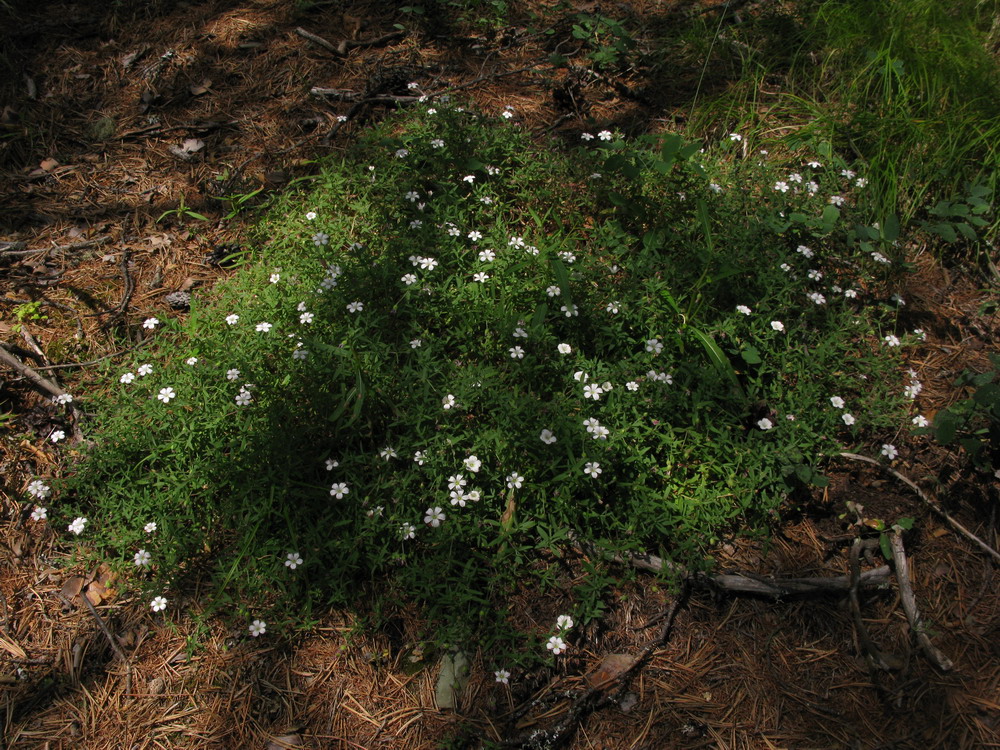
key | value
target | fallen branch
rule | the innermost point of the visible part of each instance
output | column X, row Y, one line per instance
column 20, row 247
column 955, row 525
column 112, row 641
column 318, row 40
column 344, row 46
column 353, row 96
column 909, row 602
column 13, row 362
column 875, row 657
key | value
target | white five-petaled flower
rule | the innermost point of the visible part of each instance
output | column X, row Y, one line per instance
column 816, row 298
column 593, row 391
column 418, row 458
column 547, row 437
column 57, row 435
column 300, row 353
column 409, row 279
column 516, row 352
column 848, row 418
column 448, row 402
column 65, row 398
column 78, row 525
column 765, row 424
column 407, row 531
column 458, row 497
column 232, row 374
column 781, row 186
column 144, row 370
column 306, row 318
column 355, row 307
column 778, row 326
column 412, row 196
column 166, row 394
column 475, row 236
column 416, row 343
column 244, row 397
column 891, row 340
column 889, row 451
column 514, row 481
column 427, row 264
column 605, row 135
column 632, row 385
column 612, row 308
column 920, row 420
column 480, row 277
column 142, row 559
column 520, row 333
column 487, row 256
column 274, row 278
column 805, row 251
column 191, row 361
column 735, row 137
column 39, row 489
column 564, row 348
column 472, row 463
column 569, row 310
column 150, row 323
column 331, row 464
column 264, row 327
column 150, row 527
column 434, row 516
column 257, row 627
column 600, row 432
column 321, row 238
column 592, row 469
column 836, row 200
column 388, row 452
column 837, row 402
column 437, row 143
column 586, row 136
column 743, row 309
column 502, row 676
column 456, row 481
column 339, row 489
column 564, row 622
column 158, row 604
column 310, row 215
column 39, row 513
column 654, row 345
column 556, row 645
column 293, row 560
column 232, row 319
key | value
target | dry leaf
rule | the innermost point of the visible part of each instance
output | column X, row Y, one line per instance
column 49, row 164
column 72, row 587
column 610, row 669
column 95, row 593
column 283, row 741
column 201, row 88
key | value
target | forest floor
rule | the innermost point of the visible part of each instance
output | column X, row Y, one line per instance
column 86, row 174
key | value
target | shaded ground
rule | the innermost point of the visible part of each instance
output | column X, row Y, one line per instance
column 85, row 158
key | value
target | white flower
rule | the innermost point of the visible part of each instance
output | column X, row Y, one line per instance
column 191, row 361
column 301, row 307
column 564, row 348
column 264, row 327
column 472, row 496
column 77, row 526
column 795, row 177
column 339, row 489
column 388, row 452
column 39, row 489
column 654, row 345
column 600, row 432
column 150, row 323
column 850, row 293
column 408, row 531
column 547, row 437
column 581, row 376
column 480, row 277
column 331, row 464
column 150, row 527
column 848, row 418
column 472, row 463
column 516, row 352
column 553, row 290
column 564, row 622
column 158, row 604
column 735, row 137
column 812, row 187
column 849, row 174
column 243, row 397
column 612, row 308
column 836, row 200
column 765, row 424
column 57, row 435
column 311, row 216
column 456, row 481
column 805, row 251
column 593, row 391
column 274, row 278
column 781, row 186
column 520, row 333
column 293, row 560
column 128, row 377
column 880, row 258
column 605, row 135
column 592, row 469
column 515, row 242
column 502, row 676
column 814, row 275
column 816, row 298
column 507, row 114
column 434, row 516
column 257, row 627
column 355, row 307
column 475, row 236
column 142, row 559
column 487, row 256
column 166, row 394
column 889, row 451
column 306, row 318
column 409, row 279
column 777, row 325
column 514, row 480
column 586, row 136
column 715, row 187
column 427, row 264
column 232, row 374
column 556, row 645
column 837, row 402
column 300, row 354
column 458, row 497
column 567, row 256
column 814, row 164
column 912, row 390
column 39, row 513
column 418, row 458
column 861, row 182
column 437, row 143
column 569, row 310
column 920, row 420
column 891, row 340
column 321, row 238
column 469, row 178
column 144, row 370
column 412, row 196
column 785, row 267
column 743, row 309
column 632, row 385
column 448, row 402
column 416, row 343
column 920, row 334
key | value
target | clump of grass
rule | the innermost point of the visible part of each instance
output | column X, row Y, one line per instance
column 456, row 352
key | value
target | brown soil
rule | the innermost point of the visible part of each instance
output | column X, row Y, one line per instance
column 93, row 100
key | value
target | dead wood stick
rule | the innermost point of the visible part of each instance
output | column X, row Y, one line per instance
column 33, row 344
column 57, row 249
column 955, row 525
column 376, row 42
column 909, row 602
column 873, row 654
column 13, row 362
column 329, row 46
column 112, row 641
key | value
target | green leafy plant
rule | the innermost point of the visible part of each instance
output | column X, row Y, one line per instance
column 27, row 311
column 974, row 422
column 181, row 212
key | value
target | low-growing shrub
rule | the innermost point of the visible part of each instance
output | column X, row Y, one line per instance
column 456, row 352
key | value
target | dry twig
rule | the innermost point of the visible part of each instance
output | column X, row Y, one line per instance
column 13, row 362
column 872, row 653
column 955, row 525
